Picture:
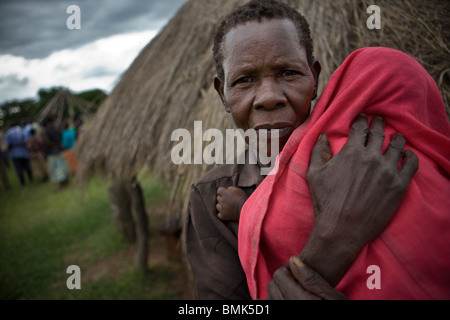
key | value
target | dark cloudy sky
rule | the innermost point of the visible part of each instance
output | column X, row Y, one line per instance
column 37, row 50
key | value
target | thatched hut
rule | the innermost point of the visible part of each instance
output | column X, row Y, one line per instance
column 65, row 105
column 169, row 85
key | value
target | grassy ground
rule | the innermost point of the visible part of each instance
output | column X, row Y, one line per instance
column 43, row 231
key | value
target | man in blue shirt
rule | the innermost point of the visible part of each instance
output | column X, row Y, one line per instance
column 15, row 140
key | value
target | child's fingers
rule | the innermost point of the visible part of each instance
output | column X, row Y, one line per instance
column 221, row 191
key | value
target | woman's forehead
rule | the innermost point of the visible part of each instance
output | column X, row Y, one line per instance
column 264, row 30
column 274, row 39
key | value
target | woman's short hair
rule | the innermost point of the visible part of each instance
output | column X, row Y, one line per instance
column 256, row 10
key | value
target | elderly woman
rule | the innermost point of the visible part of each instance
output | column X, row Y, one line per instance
column 326, row 212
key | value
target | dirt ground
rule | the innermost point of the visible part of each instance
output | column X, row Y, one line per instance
column 164, row 252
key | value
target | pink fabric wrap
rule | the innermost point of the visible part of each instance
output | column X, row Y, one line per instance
column 413, row 253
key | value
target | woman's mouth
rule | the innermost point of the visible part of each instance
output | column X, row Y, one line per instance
column 274, row 131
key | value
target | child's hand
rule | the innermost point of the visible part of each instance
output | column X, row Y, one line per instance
column 229, row 203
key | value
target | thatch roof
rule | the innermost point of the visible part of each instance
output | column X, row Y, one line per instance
column 169, row 85
column 65, row 105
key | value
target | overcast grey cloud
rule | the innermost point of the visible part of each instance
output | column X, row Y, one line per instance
column 36, row 28
column 37, row 50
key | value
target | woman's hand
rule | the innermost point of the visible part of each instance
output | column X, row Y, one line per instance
column 297, row 281
column 355, row 195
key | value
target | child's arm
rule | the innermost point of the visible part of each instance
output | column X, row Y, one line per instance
column 229, row 203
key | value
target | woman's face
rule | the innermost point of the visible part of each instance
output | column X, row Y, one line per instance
column 268, row 83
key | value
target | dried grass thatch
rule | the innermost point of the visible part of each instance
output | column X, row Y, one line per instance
column 169, row 85
column 65, row 105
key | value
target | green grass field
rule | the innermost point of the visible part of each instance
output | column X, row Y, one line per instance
column 43, row 231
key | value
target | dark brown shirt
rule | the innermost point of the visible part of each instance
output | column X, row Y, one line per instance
column 211, row 244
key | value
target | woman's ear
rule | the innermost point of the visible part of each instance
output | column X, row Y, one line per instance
column 218, row 85
column 315, row 69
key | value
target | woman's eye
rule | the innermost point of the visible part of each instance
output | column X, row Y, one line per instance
column 288, row 73
column 244, row 80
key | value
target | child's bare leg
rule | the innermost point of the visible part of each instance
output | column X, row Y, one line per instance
column 229, row 203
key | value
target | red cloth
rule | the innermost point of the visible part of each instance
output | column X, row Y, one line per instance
column 413, row 253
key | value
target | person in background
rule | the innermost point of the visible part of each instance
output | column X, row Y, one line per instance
column 3, row 161
column 69, row 135
column 26, row 127
column 18, row 152
column 57, row 165
column 38, row 161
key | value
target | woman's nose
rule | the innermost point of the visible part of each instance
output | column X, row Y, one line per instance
column 269, row 95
